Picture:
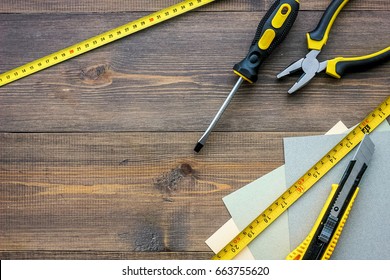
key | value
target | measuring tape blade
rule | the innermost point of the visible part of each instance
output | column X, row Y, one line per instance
column 303, row 184
column 100, row 40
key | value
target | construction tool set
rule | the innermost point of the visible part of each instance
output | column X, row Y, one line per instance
column 271, row 31
column 305, row 182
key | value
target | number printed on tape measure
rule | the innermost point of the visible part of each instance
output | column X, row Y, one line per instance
column 100, row 40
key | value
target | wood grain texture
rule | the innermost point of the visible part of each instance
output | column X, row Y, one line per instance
column 87, row 6
column 178, row 79
column 96, row 158
column 102, row 255
column 123, row 191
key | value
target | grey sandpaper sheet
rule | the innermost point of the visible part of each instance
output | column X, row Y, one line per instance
column 245, row 205
column 366, row 234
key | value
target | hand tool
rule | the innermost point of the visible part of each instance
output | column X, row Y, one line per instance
column 101, row 40
column 323, row 238
column 336, row 67
column 305, row 182
column 271, row 31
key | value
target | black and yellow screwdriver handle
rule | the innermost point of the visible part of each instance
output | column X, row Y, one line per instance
column 317, row 38
column 299, row 252
column 340, row 65
column 272, row 30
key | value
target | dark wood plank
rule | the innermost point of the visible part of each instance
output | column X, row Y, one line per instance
column 123, row 192
column 152, row 82
column 102, row 255
column 87, row 6
column 115, row 176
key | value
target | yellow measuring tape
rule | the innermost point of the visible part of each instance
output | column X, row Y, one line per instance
column 101, row 40
column 303, row 184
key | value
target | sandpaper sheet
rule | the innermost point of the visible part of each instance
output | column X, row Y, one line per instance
column 366, row 233
column 246, row 203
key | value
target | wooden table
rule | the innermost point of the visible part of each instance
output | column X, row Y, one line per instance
column 96, row 154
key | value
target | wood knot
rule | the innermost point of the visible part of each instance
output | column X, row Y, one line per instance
column 124, row 162
column 97, row 75
column 186, row 169
column 169, row 182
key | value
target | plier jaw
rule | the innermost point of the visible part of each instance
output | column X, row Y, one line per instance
column 336, row 67
column 310, row 67
column 316, row 39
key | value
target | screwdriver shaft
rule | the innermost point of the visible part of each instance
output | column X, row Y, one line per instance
column 214, row 122
column 271, row 31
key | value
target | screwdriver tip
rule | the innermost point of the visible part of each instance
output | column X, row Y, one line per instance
column 198, row 147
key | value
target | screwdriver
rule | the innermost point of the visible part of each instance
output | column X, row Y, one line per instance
column 272, row 30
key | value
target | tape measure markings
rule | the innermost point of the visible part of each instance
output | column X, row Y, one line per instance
column 100, row 40
column 303, row 184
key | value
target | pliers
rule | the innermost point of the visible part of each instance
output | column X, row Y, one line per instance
column 336, row 67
